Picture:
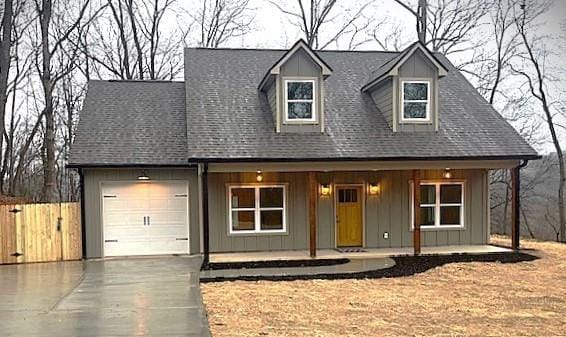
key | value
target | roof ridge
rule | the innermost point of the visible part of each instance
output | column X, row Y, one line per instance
column 285, row 50
column 143, row 81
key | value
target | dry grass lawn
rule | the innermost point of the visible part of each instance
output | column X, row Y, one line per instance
column 461, row 299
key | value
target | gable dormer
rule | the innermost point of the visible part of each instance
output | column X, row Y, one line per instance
column 294, row 87
column 406, row 89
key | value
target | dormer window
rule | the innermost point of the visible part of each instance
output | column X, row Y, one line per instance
column 300, row 101
column 415, row 106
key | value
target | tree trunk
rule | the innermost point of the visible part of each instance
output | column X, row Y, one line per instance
column 421, row 21
column 5, row 47
column 49, row 191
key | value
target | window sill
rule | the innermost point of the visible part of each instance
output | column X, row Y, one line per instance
column 253, row 234
column 416, row 122
column 300, row 122
column 441, row 228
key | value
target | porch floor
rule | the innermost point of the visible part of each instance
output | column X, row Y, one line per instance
column 369, row 253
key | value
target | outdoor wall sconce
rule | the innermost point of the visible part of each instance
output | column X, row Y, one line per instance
column 259, row 176
column 325, row 190
column 143, row 176
column 447, row 174
column 374, row 188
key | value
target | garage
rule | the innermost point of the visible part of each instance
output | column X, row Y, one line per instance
column 145, row 218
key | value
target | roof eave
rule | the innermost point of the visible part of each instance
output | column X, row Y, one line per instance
column 355, row 159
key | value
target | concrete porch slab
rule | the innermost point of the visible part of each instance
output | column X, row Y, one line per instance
column 370, row 253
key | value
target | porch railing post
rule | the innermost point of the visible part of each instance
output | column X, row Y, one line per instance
column 515, row 207
column 313, row 195
column 416, row 212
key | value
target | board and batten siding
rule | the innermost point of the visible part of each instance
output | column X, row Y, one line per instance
column 271, row 95
column 390, row 210
column 382, row 96
column 296, row 212
column 93, row 178
column 418, row 67
column 387, row 212
column 300, row 65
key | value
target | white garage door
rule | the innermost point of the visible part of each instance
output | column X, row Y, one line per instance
column 145, row 218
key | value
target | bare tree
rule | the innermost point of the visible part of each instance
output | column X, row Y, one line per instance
column 448, row 26
column 420, row 14
column 389, row 36
column 5, row 60
column 221, row 20
column 51, row 42
column 533, row 71
column 127, row 41
column 325, row 22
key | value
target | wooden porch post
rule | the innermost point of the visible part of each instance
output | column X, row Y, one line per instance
column 416, row 212
column 515, row 207
column 313, row 196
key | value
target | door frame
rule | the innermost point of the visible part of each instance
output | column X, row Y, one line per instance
column 107, row 182
column 362, row 187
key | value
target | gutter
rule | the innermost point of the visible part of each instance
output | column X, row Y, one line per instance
column 342, row 159
column 81, row 166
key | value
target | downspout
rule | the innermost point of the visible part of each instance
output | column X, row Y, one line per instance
column 83, row 216
column 205, row 220
column 516, row 195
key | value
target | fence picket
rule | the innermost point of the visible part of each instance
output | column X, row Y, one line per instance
column 33, row 232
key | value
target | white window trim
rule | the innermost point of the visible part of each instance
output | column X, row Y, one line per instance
column 312, row 101
column 403, row 119
column 437, row 205
column 257, row 210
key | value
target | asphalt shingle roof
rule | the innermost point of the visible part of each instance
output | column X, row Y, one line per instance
column 218, row 114
column 132, row 123
column 229, row 120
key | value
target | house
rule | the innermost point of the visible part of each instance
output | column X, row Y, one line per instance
column 266, row 150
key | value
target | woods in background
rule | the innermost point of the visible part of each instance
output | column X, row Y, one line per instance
column 50, row 49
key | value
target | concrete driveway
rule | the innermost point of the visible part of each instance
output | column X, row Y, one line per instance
column 122, row 297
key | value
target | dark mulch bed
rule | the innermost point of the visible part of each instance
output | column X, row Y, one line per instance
column 276, row 264
column 404, row 266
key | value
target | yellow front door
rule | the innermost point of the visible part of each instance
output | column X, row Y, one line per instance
column 349, row 216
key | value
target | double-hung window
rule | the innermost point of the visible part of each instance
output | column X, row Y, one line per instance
column 257, row 209
column 415, row 106
column 441, row 205
column 300, row 101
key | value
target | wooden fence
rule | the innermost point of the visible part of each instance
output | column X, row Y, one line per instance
column 40, row 232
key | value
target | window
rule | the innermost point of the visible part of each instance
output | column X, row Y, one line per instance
column 416, row 101
column 442, row 205
column 299, row 101
column 257, row 209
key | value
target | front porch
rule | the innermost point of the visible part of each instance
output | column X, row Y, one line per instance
column 368, row 253
column 301, row 211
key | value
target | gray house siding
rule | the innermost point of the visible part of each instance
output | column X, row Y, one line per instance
column 272, row 99
column 388, row 212
column 300, row 65
column 297, row 217
column 418, row 67
column 382, row 96
column 93, row 206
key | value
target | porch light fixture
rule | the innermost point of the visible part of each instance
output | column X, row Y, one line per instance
column 374, row 188
column 143, row 176
column 259, row 176
column 325, row 190
column 447, row 174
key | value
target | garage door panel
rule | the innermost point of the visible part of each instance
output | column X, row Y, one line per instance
column 164, row 203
